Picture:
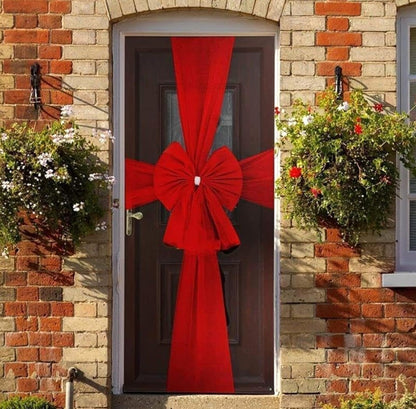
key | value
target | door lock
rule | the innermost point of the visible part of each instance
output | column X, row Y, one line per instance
column 130, row 215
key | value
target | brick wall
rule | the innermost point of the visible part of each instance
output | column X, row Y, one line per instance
column 341, row 332
column 54, row 304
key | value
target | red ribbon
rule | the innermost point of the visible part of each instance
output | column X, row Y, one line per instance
column 196, row 189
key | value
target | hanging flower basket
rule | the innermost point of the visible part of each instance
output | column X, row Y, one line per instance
column 340, row 169
column 55, row 177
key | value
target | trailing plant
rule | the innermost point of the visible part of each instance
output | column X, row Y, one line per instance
column 53, row 175
column 341, row 168
column 30, row 402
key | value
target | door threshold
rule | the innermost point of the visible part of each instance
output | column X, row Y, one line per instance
column 144, row 401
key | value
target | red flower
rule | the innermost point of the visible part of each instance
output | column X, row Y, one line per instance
column 276, row 111
column 358, row 129
column 378, row 107
column 295, row 172
column 315, row 191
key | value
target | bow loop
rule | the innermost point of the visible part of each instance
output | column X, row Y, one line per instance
column 198, row 222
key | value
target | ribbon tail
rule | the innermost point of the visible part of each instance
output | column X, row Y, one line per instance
column 200, row 359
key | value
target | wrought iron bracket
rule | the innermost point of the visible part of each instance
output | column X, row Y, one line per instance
column 35, row 76
column 338, row 82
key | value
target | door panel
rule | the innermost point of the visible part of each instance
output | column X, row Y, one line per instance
column 152, row 268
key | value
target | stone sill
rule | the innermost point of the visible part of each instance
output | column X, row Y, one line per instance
column 399, row 280
column 142, row 401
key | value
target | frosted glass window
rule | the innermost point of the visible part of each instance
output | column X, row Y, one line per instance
column 412, row 61
column 412, row 225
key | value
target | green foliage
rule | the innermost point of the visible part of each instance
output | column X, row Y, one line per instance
column 341, row 169
column 54, row 175
column 31, row 402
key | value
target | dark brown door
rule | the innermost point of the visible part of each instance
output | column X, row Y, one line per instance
column 152, row 269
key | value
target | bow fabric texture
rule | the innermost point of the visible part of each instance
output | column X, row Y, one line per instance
column 196, row 188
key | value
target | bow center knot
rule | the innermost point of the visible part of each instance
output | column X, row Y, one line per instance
column 197, row 180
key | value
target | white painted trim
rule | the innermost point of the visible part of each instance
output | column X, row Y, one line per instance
column 169, row 23
column 405, row 259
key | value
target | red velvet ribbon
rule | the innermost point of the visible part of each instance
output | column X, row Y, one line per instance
column 196, row 189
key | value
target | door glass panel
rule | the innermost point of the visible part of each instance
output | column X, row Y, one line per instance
column 412, row 183
column 172, row 131
column 412, row 100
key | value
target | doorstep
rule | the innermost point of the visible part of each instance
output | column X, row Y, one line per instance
column 142, row 401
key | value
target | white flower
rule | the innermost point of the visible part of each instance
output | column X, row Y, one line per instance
column 78, row 206
column 307, row 119
column 5, row 252
column 6, row 185
column 103, row 136
column 110, row 180
column 49, row 174
column 95, row 176
column 101, row 226
column 4, row 136
column 44, row 159
column 291, row 122
column 345, row 106
column 67, row 111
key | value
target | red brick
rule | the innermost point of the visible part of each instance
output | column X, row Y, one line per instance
column 17, row 368
column 12, row 309
column 61, row 98
column 51, row 279
column 335, row 250
column 337, row 53
column 52, row 263
column 400, row 310
column 333, row 235
column 59, row 400
column 337, row 355
column 26, row 36
column 344, row 310
column 41, row 369
column 337, row 23
column 62, row 309
column 372, row 325
column 60, row 6
column 25, row 6
column 63, row 340
column 337, row 295
column 27, row 354
column 43, row 339
column 348, row 68
column 15, row 279
column 25, row 21
column 59, row 370
column 50, row 385
column 372, row 371
column 17, row 67
column 405, row 325
column 50, row 52
column 50, row 354
column 371, row 295
column 38, row 309
column 337, row 8
column 387, row 386
column 372, row 355
column 373, row 340
column 27, row 263
column 16, row 339
column 372, row 310
column 50, row 112
column 26, row 112
column 27, row 385
column 337, row 386
column 50, row 324
column 337, row 265
column 50, row 21
column 406, row 295
column 61, row 36
column 335, row 38
column 26, row 324
column 49, row 81
column 338, row 326
column 61, row 67
column 338, row 280
column 25, row 51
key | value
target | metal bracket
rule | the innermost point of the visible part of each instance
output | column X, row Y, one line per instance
column 338, row 82
column 35, row 85
column 130, row 215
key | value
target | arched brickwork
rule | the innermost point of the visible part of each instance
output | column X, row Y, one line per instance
column 269, row 9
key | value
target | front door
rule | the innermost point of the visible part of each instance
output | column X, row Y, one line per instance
column 152, row 268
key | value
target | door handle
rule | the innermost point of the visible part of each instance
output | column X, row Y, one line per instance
column 130, row 215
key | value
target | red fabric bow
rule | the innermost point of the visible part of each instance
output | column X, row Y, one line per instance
column 196, row 189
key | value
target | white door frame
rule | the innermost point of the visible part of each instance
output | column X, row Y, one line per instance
column 168, row 23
